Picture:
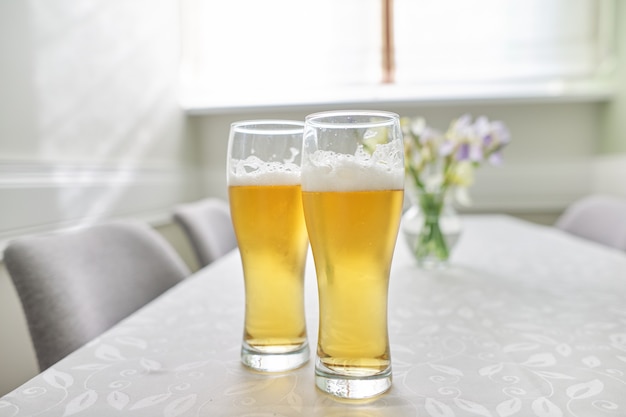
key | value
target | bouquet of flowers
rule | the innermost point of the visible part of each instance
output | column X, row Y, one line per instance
column 437, row 163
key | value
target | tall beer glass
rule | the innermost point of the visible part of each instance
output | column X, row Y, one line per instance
column 352, row 190
column 266, row 207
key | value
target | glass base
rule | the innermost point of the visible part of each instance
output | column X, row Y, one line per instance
column 352, row 387
column 430, row 249
column 433, row 263
column 274, row 362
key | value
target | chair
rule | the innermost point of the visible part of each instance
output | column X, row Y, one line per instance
column 209, row 228
column 75, row 285
column 598, row 218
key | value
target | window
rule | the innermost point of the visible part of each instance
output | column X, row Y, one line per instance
column 250, row 51
column 499, row 40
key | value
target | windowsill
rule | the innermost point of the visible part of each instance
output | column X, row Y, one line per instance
column 196, row 102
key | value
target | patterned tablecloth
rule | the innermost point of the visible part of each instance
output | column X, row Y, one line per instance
column 527, row 321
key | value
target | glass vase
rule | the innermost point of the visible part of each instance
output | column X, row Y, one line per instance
column 431, row 227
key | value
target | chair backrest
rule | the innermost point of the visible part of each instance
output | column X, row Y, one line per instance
column 598, row 218
column 208, row 225
column 75, row 285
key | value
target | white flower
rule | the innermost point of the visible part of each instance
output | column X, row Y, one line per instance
column 437, row 161
column 462, row 174
column 417, row 126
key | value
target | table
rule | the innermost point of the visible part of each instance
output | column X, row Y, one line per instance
column 526, row 321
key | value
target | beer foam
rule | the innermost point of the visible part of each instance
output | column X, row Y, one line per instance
column 254, row 171
column 331, row 171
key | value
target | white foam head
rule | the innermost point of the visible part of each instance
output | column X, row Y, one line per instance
column 331, row 171
column 254, row 171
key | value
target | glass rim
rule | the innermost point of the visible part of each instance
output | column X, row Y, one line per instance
column 318, row 119
column 268, row 126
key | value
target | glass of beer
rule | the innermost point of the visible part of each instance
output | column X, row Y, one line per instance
column 352, row 191
column 263, row 171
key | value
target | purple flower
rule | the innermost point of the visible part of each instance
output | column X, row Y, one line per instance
column 428, row 135
column 496, row 158
column 441, row 160
column 446, row 148
column 482, row 126
column 501, row 132
column 463, row 152
column 476, row 153
column 463, row 122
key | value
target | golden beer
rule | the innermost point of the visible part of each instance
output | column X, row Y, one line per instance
column 272, row 238
column 352, row 178
column 353, row 235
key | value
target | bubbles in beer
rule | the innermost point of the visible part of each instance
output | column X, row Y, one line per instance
column 383, row 169
column 254, row 171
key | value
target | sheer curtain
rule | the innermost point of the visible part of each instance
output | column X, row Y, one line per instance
column 247, row 48
column 279, row 45
column 490, row 40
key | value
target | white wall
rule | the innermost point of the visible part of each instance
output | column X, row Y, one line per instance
column 547, row 165
column 90, row 128
column 610, row 165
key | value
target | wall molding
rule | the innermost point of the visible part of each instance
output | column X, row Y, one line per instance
column 515, row 186
column 39, row 197
column 38, row 174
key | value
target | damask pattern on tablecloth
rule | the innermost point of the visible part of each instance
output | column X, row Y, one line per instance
column 540, row 333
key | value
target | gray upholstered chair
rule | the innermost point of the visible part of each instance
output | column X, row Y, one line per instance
column 208, row 225
column 598, row 218
column 75, row 285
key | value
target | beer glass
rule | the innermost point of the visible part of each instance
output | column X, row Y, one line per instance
column 266, row 207
column 352, row 192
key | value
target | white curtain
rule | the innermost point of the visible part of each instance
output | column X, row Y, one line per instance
column 248, row 47
column 489, row 40
column 281, row 44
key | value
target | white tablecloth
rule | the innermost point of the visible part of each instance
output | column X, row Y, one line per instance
column 527, row 321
